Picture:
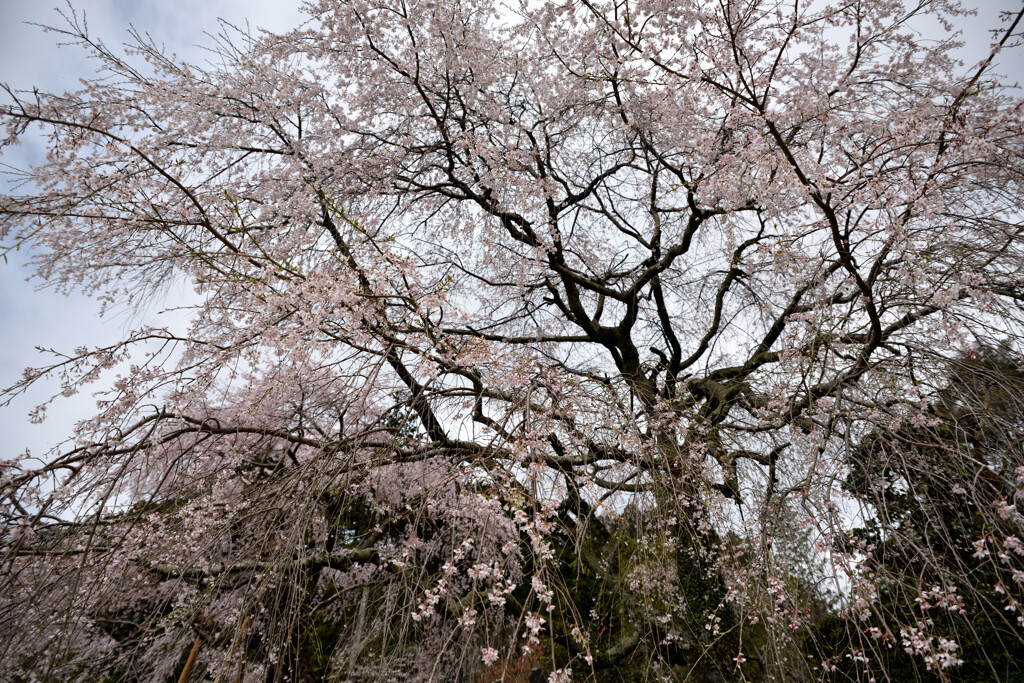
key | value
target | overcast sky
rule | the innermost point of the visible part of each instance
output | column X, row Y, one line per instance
column 30, row 58
column 30, row 317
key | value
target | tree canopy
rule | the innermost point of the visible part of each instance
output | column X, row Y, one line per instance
column 626, row 340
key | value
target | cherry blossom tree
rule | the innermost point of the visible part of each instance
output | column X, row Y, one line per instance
column 624, row 340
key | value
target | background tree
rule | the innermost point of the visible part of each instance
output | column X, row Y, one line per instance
column 576, row 336
column 931, row 482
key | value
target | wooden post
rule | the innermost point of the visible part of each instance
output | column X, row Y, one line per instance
column 231, row 653
column 190, row 662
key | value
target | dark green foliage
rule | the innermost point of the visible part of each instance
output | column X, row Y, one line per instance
column 941, row 485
